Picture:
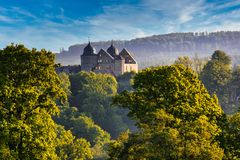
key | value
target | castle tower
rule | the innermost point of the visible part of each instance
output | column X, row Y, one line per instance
column 119, row 65
column 88, row 58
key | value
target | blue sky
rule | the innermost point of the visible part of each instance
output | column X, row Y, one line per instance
column 53, row 24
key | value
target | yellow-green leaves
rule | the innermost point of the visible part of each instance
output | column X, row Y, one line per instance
column 175, row 89
column 177, row 118
column 29, row 88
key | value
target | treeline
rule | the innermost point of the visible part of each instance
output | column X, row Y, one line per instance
column 48, row 116
column 219, row 76
column 167, row 112
column 163, row 49
column 176, row 119
column 89, row 112
column 29, row 90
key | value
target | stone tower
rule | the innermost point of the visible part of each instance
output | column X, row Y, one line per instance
column 88, row 58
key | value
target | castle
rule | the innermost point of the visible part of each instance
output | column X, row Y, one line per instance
column 107, row 61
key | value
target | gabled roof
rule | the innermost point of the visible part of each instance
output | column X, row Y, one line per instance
column 102, row 51
column 125, row 52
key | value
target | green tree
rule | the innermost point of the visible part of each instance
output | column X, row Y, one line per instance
column 83, row 127
column 92, row 94
column 231, row 135
column 180, row 140
column 216, row 75
column 217, row 72
column 116, row 146
column 29, row 88
column 198, row 63
column 176, row 116
column 184, row 60
column 125, row 81
column 233, row 91
column 65, row 82
column 175, row 89
column 69, row 147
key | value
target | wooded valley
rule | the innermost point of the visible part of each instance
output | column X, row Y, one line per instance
column 186, row 110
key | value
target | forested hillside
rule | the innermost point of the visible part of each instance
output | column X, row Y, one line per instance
column 164, row 49
column 188, row 110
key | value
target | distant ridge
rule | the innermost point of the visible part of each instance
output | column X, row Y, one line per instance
column 164, row 49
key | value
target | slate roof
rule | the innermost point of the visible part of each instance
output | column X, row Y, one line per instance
column 89, row 50
column 102, row 51
column 126, row 52
column 112, row 50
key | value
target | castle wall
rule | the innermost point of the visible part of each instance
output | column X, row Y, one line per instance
column 105, row 68
column 88, row 62
column 130, row 67
column 105, row 63
column 118, row 67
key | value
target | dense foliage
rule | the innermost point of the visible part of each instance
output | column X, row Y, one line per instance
column 29, row 89
column 217, row 72
column 176, row 116
column 221, row 79
column 92, row 94
column 69, row 147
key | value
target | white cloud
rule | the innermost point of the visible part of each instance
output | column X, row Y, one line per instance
column 183, row 10
column 7, row 19
column 42, row 33
column 224, row 4
column 56, row 30
column 22, row 12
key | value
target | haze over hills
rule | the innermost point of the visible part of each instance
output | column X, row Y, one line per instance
column 164, row 49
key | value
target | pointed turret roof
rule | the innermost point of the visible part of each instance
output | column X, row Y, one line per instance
column 112, row 50
column 89, row 49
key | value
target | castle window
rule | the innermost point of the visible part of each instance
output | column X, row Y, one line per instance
column 108, row 67
column 126, row 68
column 130, row 68
column 99, row 61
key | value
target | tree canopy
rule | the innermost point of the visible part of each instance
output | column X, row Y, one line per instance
column 29, row 88
column 217, row 72
column 29, row 91
column 216, row 76
column 92, row 94
column 177, row 118
column 175, row 89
